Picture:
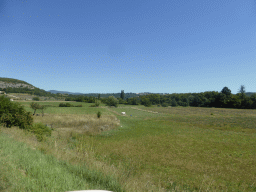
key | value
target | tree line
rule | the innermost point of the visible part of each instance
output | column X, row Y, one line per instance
column 222, row 99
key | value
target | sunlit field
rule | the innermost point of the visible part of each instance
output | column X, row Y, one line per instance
column 148, row 149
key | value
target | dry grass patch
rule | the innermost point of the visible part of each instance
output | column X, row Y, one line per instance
column 90, row 124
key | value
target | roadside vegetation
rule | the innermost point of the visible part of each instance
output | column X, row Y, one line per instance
column 150, row 149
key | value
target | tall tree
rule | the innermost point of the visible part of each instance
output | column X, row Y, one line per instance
column 226, row 91
column 122, row 94
column 242, row 91
column 35, row 106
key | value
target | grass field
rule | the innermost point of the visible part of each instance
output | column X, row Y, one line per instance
column 175, row 149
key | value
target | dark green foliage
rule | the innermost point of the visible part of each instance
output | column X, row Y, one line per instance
column 174, row 103
column 13, row 114
column 242, row 91
column 99, row 114
column 133, row 101
column 147, row 102
column 40, row 130
column 91, row 99
column 111, row 101
column 121, row 101
column 122, row 94
column 65, row 105
column 36, row 99
column 164, row 105
column 69, row 99
column 154, row 99
column 226, row 91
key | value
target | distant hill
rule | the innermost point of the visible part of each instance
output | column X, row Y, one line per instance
column 249, row 94
column 14, row 83
column 65, row 92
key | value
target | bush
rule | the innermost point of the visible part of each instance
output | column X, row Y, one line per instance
column 174, row 103
column 40, row 130
column 69, row 105
column 99, row 114
column 165, row 105
column 111, row 101
column 36, row 99
column 79, row 106
column 62, row 105
column 147, row 103
column 97, row 103
column 66, row 105
column 13, row 114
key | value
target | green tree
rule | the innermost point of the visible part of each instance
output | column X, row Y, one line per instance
column 174, row 103
column 13, row 114
column 122, row 94
column 34, row 106
column 99, row 97
column 43, row 107
column 111, row 101
column 226, row 91
column 242, row 91
column 121, row 101
column 253, row 99
column 147, row 102
column 91, row 99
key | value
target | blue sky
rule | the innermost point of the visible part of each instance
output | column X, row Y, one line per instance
column 105, row 46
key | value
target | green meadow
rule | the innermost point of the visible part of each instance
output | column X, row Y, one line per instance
column 148, row 149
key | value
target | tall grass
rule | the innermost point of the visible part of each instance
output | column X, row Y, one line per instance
column 176, row 149
column 25, row 169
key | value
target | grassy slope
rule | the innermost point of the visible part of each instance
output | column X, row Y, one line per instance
column 201, row 148
column 26, row 169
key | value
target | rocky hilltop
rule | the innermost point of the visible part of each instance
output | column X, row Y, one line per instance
column 15, row 85
column 7, row 82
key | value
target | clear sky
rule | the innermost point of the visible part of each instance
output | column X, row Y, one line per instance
column 105, row 46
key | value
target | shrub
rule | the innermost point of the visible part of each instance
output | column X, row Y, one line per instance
column 62, row 105
column 97, row 103
column 13, row 114
column 111, row 101
column 147, row 103
column 65, row 105
column 165, row 105
column 79, row 106
column 99, row 114
column 36, row 99
column 69, row 105
column 174, row 103
column 40, row 130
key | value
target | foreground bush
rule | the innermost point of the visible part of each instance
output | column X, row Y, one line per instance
column 40, row 130
column 13, row 114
